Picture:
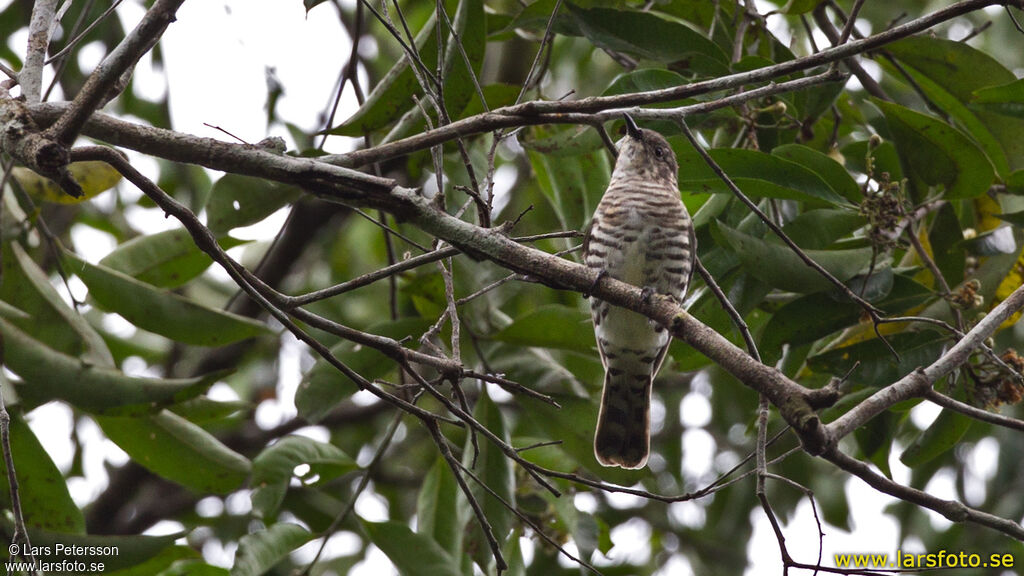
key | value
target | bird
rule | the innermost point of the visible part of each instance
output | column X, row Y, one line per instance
column 640, row 234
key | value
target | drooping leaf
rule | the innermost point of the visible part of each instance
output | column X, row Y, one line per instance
column 551, row 326
column 824, row 166
column 274, row 467
column 573, row 184
column 650, row 36
column 1006, row 99
column 875, row 439
column 781, row 268
column 756, row 173
column 941, row 436
column 938, row 153
column 114, row 552
column 323, row 386
column 162, row 312
column 878, row 367
column 178, row 450
column 413, row 554
column 237, row 201
column 48, row 375
column 392, row 96
column 165, row 259
column 947, row 251
column 47, row 317
column 494, row 469
column 260, row 551
column 437, row 510
column 43, row 492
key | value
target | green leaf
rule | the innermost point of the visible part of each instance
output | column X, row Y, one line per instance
column 945, row 237
column 1005, row 99
column 494, row 469
column 178, row 450
column 237, row 201
column 781, row 268
column 190, row 568
column 260, row 551
column 645, row 80
column 1015, row 218
column 944, row 433
column 49, row 375
column 551, row 326
column 573, row 425
column 45, row 501
column 203, row 409
column 818, row 229
column 878, row 367
column 116, row 552
column 815, row 316
column 412, row 554
column 959, row 67
column 274, row 467
column 437, row 511
column 756, row 173
column 832, row 172
column 48, row 320
column 162, row 312
column 938, row 153
column 165, row 259
column 392, row 96
column 161, row 562
column 573, row 184
column 875, row 439
column 650, row 36
column 799, row 6
column 958, row 112
column 323, row 386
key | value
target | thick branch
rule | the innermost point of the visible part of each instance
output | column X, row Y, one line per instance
column 116, row 64
column 919, row 382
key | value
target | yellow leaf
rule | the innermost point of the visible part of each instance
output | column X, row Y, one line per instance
column 93, row 176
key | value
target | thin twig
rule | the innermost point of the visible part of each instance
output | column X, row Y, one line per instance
column 74, row 41
column 364, row 481
column 481, row 518
column 20, row 544
column 31, row 76
column 976, row 413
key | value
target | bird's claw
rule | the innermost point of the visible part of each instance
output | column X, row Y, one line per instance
column 646, row 293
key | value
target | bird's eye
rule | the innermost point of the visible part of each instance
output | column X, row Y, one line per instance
column 659, row 152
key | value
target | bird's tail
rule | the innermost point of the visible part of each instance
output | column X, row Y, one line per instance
column 623, row 436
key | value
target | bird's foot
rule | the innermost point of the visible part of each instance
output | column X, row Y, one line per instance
column 646, row 294
column 601, row 273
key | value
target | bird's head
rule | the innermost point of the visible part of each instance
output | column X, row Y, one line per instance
column 645, row 154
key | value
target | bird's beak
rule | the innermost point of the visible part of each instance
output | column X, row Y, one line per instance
column 631, row 128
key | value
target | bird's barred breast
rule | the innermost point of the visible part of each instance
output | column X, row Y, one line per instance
column 641, row 235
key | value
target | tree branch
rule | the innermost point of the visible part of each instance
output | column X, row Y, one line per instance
column 114, row 66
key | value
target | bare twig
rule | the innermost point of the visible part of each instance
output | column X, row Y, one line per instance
column 953, row 510
column 364, row 481
column 976, row 413
column 20, row 544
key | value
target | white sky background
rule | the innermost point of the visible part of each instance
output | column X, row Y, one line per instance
column 216, row 55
